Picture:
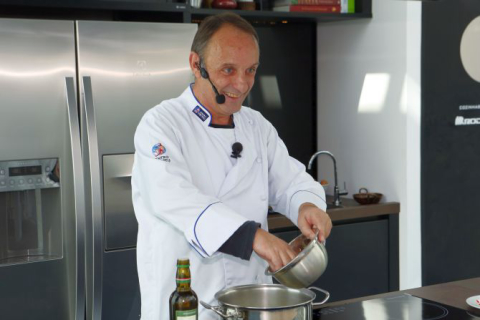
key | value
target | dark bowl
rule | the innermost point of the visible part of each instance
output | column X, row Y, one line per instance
column 367, row 197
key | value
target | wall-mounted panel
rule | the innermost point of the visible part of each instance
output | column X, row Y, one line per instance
column 450, row 145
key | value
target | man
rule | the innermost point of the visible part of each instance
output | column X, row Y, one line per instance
column 206, row 169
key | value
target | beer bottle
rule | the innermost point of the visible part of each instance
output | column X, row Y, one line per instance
column 183, row 301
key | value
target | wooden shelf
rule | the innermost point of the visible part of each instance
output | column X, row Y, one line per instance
column 269, row 15
column 151, row 10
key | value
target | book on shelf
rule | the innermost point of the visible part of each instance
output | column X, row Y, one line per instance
column 348, row 6
column 316, row 2
column 315, row 8
column 319, row 6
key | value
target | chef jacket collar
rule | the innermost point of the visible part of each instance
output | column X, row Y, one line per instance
column 199, row 111
column 202, row 113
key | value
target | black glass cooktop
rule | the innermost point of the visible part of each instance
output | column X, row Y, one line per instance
column 401, row 307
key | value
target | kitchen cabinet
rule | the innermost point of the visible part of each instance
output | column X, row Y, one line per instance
column 362, row 253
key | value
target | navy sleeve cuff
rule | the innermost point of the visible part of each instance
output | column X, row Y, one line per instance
column 240, row 244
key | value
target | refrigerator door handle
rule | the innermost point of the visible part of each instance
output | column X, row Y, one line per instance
column 78, row 185
column 96, row 199
column 126, row 176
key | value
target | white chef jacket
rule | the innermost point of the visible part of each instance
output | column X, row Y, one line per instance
column 190, row 196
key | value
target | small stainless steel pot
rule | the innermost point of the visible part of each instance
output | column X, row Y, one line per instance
column 265, row 302
column 306, row 267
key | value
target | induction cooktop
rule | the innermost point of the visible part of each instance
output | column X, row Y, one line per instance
column 401, row 307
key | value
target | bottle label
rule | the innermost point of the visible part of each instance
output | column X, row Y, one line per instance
column 186, row 314
column 183, row 280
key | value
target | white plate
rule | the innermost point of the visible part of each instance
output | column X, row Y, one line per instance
column 474, row 302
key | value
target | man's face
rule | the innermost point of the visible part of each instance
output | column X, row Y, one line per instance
column 231, row 59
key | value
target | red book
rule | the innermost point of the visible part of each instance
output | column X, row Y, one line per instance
column 316, row 2
column 315, row 8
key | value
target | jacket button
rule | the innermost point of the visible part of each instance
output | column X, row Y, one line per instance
column 259, row 160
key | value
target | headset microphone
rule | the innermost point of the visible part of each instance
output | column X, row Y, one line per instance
column 236, row 150
column 220, row 98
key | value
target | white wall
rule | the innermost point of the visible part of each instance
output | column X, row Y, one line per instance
column 369, row 113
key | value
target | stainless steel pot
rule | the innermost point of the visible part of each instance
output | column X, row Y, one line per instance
column 309, row 264
column 265, row 302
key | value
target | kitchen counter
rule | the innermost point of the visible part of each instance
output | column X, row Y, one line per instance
column 452, row 294
column 350, row 210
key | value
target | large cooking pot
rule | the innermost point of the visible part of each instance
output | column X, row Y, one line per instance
column 265, row 302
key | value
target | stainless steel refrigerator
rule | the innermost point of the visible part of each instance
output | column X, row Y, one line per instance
column 71, row 96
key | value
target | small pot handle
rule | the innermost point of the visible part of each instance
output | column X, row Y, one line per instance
column 268, row 272
column 215, row 309
column 327, row 296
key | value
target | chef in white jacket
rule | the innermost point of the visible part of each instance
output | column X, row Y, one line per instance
column 206, row 169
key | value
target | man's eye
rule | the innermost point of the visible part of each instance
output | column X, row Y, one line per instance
column 252, row 70
column 228, row 70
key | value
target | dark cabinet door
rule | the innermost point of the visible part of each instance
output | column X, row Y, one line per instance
column 358, row 260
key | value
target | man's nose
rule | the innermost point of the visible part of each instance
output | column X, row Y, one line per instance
column 241, row 83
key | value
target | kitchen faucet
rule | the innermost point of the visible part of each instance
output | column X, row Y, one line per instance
column 336, row 190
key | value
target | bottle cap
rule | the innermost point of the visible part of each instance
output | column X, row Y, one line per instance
column 183, row 263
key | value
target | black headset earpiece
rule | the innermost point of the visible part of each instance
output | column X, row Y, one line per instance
column 203, row 72
column 220, row 98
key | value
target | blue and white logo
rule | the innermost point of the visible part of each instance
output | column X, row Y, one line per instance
column 200, row 113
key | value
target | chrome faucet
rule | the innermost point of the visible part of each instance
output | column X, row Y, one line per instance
column 336, row 189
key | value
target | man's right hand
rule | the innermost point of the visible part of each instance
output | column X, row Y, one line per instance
column 272, row 249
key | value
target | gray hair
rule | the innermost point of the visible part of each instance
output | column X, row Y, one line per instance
column 213, row 23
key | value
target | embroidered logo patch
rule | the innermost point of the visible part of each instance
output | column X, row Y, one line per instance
column 158, row 151
column 200, row 113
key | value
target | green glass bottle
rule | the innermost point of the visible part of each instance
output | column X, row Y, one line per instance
column 183, row 301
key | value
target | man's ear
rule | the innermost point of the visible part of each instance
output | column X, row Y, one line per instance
column 194, row 61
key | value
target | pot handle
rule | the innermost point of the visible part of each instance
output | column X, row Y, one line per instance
column 268, row 272
column 327, row 296
column 215, row 309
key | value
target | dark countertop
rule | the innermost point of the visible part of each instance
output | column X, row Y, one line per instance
column 453, row 294
column 350, row 210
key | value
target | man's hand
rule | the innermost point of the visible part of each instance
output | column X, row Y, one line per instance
column 272, row 249
column 310, row 217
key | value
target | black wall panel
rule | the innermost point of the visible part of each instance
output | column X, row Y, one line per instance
column 450, row 154
column 288, row 53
